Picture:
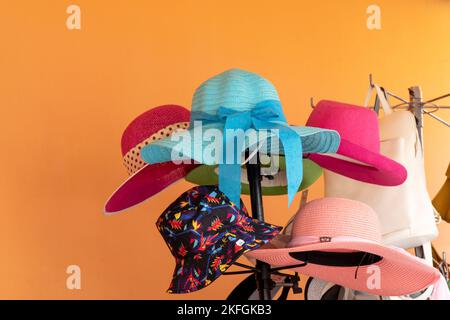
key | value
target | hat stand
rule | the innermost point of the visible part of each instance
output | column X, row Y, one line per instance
column 263, row 272
column 418, row 106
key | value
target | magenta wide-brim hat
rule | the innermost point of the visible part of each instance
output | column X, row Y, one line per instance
column 400, row 272
column 145, row 183
column 359, row 156
column 373, row 168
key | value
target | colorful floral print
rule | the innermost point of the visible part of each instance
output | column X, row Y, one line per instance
column 206, row 234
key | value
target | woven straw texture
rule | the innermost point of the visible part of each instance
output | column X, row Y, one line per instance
column 360, row 134
column 237, row 90
column 399, row 272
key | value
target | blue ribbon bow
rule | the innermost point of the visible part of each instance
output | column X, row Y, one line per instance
column 265, row 115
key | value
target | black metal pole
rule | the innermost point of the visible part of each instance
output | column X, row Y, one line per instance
column 263, row 278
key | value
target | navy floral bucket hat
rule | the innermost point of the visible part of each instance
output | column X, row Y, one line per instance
column 207, row 233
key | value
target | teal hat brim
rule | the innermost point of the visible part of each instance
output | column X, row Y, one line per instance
column 314, row 140
column 207, row 175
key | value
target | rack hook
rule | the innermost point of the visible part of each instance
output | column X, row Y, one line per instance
column 311, row 102
column 371, row 80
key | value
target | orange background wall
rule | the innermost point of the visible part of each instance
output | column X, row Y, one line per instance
column 66, row 97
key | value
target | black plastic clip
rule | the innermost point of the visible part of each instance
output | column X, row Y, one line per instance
column 296, row 289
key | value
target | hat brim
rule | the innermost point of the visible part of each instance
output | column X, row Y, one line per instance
column 208, row 175
column 314, row 140
column 145, row 183
column 400, row 272
column 201, row 273
column 375, row 168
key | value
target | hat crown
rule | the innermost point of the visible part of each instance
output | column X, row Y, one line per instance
column 234, row 89
column 197, row 219
column 336, row 217
column 355, row 124
column 150, row 122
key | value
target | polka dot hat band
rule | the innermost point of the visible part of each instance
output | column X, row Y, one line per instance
column 132, row 159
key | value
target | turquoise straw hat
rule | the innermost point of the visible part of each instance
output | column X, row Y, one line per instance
column 224, row 109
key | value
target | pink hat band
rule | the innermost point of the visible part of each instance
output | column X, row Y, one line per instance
column 305, row 240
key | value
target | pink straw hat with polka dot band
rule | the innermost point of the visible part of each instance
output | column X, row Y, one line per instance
column 339, row 240
column 146, row 180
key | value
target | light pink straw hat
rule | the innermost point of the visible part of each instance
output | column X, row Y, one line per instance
column 339, row 240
